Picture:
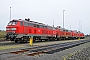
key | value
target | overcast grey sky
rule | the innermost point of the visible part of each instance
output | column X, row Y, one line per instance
column 46, row 11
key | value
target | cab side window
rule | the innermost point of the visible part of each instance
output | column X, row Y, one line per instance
column 21, row 23
column 25, row 24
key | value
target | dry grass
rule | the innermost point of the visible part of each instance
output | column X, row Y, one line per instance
column 2, row 34
column 10, row 47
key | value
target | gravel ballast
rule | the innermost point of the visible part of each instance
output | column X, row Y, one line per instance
column 80, row 52
column 83, row 54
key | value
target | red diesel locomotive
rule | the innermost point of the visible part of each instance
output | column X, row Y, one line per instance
column 22, row 30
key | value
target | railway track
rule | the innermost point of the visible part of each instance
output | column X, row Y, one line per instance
column 5, row 43
column 48, row 49
column 9, row 43
column 2, row 40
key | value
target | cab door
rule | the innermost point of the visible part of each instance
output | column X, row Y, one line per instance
column 21, row 29
column 25, row 28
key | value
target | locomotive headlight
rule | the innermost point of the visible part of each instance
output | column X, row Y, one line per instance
column 7, row 28
column 13, row 28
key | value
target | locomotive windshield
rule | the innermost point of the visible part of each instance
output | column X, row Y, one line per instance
column 12, row 23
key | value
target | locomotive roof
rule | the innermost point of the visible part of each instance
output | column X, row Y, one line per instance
column 32, row 22
column 29, row 21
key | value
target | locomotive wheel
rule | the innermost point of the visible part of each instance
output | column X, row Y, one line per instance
column 12, row 39
column 25, row 41
column 47, row 39
column 16, row 41
column 21, row 40
column 34, row 39
column 59, row 39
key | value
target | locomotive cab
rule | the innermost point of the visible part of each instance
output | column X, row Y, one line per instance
column 12, row 29
column 12, row 26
